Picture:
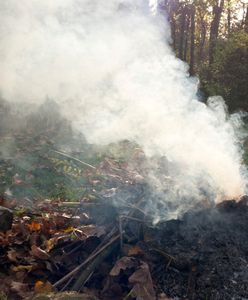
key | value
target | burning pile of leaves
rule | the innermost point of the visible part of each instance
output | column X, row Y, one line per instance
column 85, row 246
column 103, row 251
column 80, row 225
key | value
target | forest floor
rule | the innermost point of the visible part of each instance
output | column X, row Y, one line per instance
column 105, row 252
column 77, row 226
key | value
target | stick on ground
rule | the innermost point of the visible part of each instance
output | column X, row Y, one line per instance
column 74, row 158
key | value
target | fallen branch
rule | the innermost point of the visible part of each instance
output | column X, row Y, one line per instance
column 121, row 234
column 164, row 254
column 90, row 258
column 74, row 158
column 69, row 204
column 92, row 266
column 113, row 235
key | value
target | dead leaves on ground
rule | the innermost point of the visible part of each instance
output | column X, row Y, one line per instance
column 122, row 264
column 39, row 253
column 36, row 250
column 42, row 248
column 142, row 283
column 43, row 287
column 140, row 279
column 34, row 226
column 36, row 253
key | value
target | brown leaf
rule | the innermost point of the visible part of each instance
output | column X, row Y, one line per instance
column 135, row 250
column 60, row 221
column 50, row 244
column 91, row 230
column 20, row 276
column 122, row 264
column 84, row 232
column 20, row 288
column 43, row 287
column 12, row 255
column 34, row 237
column 21, row 268
column 34, row 226
column 8, row 203
column 39, row 253
column 142, row 281
column 69, row 229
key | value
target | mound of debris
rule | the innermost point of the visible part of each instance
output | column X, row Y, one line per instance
column 207, row 253
column 93, row 249
column 95, row 237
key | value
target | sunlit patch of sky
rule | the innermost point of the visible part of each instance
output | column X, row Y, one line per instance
column 153, row 5
column 241, row 5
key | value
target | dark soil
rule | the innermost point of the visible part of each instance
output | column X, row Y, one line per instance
column 207, row 254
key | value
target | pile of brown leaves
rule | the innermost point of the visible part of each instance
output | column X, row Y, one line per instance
column 88, row 246
column 106, row 247
column 41, row 249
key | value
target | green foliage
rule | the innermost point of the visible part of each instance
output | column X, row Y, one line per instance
column 227, row 76
column 31, row 168
column 28, row 166
column 3, row 296
column 217, row 47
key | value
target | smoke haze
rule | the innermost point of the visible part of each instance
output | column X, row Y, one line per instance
column 111, row 69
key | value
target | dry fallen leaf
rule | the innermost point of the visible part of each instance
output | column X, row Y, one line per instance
column 163, row 297
column 39, row 253
column 34, row 226
column 122, row 264
column 142, row 281
column 50, row 244
column 20, row 288
column 135, row 250
column 21, row 268
column 12, row 255
column 69, row 229
column 43, row 287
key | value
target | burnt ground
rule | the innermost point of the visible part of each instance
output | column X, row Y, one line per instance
column 206, row 254
column 202, row 255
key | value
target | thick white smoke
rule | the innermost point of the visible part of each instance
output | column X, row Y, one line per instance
column 110, row 66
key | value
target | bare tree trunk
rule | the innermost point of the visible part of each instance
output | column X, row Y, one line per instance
column 202, row 41
column 182, row 31
column 173, row 31
column 246, row 20
column 192, row 41
column 186, row 38
column 243, row 15
column 214, row 30
column 229, row 18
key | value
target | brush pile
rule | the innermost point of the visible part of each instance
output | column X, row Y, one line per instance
column 106, row 252
column 80, row 226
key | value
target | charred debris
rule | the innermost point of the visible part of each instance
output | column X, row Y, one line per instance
column 63, row 236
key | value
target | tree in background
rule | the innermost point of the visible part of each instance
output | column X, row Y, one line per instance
column 211, row 35
column 229, row 71
column 217, row 9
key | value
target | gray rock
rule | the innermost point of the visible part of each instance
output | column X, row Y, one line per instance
column 6, row 218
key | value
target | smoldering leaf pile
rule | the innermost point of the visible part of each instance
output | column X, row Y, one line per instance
column 111, row 69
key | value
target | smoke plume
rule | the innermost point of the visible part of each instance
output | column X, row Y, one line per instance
column 110, row 67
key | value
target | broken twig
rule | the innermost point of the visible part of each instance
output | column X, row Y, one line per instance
column 92, row 266
column 90, row 258
column 74, row 158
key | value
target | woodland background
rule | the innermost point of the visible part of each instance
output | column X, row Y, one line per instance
column 61, row 190
column 212, row 37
